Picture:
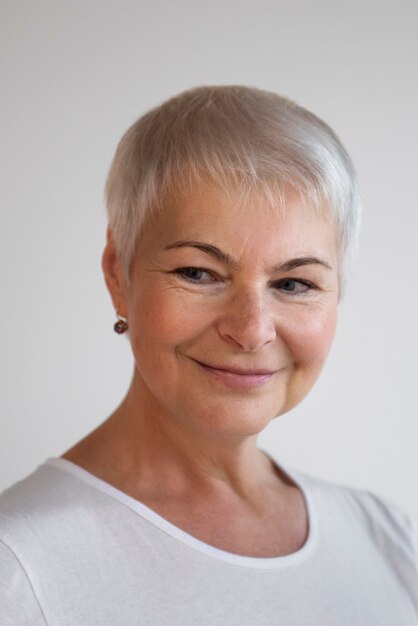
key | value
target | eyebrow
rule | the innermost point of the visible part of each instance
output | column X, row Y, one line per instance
column 213, row 251
column 224, row 257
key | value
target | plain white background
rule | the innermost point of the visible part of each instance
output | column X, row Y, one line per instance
column 74, row 75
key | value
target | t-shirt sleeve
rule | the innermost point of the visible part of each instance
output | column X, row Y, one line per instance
column 18, row 603
column 396, row 533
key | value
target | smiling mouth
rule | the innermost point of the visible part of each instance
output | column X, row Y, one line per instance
column 237, row 378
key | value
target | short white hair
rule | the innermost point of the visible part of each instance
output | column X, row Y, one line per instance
column 239, row 138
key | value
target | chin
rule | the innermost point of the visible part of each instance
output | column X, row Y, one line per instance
column 242, row 418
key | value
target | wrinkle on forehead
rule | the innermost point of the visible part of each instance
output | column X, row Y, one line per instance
column 254, row 231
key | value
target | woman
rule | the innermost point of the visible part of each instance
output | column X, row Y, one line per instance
column 233, row 216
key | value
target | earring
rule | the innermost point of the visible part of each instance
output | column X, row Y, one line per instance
column 121, row 326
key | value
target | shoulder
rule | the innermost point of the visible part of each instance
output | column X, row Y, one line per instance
column 43, row 504
column 28, row 512
column 18, row 601
column 35, row 492
column 390, row 528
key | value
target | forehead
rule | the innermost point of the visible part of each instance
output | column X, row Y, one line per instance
column 243, row 223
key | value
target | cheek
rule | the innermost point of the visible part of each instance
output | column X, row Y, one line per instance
column 161, row 320
column 310, row 336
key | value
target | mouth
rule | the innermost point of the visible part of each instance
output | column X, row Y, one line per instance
column 236, row 377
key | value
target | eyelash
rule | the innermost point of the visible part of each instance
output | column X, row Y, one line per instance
column 182, row 272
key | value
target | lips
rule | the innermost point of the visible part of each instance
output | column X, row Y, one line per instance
column 240, row 372
column 238, row 378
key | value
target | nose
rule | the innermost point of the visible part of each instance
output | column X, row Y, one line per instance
column 248, row 320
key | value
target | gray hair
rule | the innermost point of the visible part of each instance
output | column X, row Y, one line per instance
column 240, row 138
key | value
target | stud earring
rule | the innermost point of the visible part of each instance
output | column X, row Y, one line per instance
column 121, row 326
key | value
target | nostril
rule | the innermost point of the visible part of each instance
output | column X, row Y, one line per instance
column 250, row 330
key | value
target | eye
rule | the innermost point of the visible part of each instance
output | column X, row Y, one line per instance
column 293, row 286
column 195, row 274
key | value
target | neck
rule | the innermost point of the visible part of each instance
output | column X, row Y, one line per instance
column 151, row 449
column 181, row 454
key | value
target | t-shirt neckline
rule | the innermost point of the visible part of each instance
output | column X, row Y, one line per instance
column 277, row 562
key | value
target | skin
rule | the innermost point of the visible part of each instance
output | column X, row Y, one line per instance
column 183, row 441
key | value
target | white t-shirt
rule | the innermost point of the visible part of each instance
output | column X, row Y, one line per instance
column 76, row 551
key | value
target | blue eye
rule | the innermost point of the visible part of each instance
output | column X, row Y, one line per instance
column 195, row 274
column 293, row 286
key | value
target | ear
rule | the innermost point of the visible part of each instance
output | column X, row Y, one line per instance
column 115, row 276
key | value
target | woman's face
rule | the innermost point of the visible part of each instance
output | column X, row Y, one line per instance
column 231, row 308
